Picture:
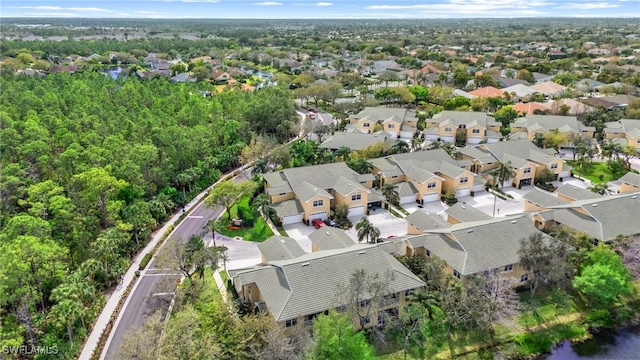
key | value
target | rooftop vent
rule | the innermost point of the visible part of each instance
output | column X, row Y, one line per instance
column 315, row 189
column 361, row 252
column 349, row 184
column 514, row 221
column 575, row 188
column 634, row 197
column 462, row 206
column 470, row 230
column 305, row 264
column 594, row 205
column 326, row 232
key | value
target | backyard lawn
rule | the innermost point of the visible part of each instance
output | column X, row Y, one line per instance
column 596, row 172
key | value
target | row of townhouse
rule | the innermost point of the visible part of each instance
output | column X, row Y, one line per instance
column 398, row 122
column 624, row 132
column 310, row 192
column 480, row 127
column 294, row 287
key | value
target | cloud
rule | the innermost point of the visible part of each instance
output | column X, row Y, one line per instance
column 466, row 6
column 588, row 6
column 58, row 8
column 322, row 3
column 189, row 1
column 46, row 14
column 268, row 3
column 147, row 12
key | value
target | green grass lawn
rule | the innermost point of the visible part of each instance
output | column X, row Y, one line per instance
column 259, row 232
column 595, row 170
column 282, row 231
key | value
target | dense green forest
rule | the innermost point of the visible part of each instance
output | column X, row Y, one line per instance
column 89, row 167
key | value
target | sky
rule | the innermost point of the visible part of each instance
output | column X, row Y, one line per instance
column 327, row 9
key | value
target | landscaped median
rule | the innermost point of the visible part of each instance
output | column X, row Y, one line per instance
column 254, row 227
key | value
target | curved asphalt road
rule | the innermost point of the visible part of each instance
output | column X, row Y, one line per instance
column 136, row 310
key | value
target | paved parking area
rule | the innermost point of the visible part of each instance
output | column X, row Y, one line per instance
column 575, row 182
column 300, row 232
column 383, row 220
column 434, row 207
column 485, row 202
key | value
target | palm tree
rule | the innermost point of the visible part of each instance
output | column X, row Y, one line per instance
column 343, row 152
column 435, row 145
column 400, row 147
column 416, row 143
column 365, row 229
column 361, row 166
column 262, row 203
column 260, row 166
column 503, row 173
column 451, row 150
column 390, row 192
column 211, row 226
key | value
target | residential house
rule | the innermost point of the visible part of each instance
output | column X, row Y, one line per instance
column 538, row 200
column 529, row 108
column 573, row 107
column 444, row 126
column 220, row 76
column 549, row 88
column 279, row 247
column 470, row 248
column 611, row 102
column 430, row 172
column 310, row 192
column 397, row 121
column 378, row 67
column 488, row 91
column 295, row 291
column 357, row 141
column 604, row 218
column 626, row 130
column 458, row 92
column 569, row 193
column 419, row 222
column 630, row 182
column 538, row 125
column 329, row 238
column 461, row 212
column 505, row 82
column 526, row 159
column 519, row 91
column 183, row 77
column 586, row 84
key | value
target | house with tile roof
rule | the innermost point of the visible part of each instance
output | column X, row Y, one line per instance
column 488, row 91
column 603, row 218
column 537, row 125
column 526, row 159
column 569, row 193
column 279, row 247
column 357, row 141
column 549, row 88
column 624, row 131
column 460, row 212
column 310, row 192
column 419, row 222
column 538, row 200
column 444, row 126
column 329, row 238
column 470, row 248
column 295, row 291
column 397, row 121
column 574, row 107
column 529, row 108
column 630, row 182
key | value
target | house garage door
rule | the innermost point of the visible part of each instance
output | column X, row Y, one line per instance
column 463, row 192
column 318, row 215
column 447, row 138
column 292, row 219
column 431, row 197
column 407, row 199
column 357, row 210
column 432, row 137
column 472, row 140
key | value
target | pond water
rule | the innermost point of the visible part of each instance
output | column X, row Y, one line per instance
column 605, row 345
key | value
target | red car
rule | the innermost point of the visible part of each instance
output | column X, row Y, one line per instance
column 317, row 223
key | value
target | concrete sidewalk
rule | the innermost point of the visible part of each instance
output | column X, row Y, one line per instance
column 112, row 303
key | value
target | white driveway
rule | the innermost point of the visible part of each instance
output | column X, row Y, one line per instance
column 485, row 203
column 434, row 207
column 383, row 220
column 572, row 181
column 300, row 232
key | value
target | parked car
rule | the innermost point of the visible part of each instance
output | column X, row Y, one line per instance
column 317, row 223
column 330, row 222
column 379, row 240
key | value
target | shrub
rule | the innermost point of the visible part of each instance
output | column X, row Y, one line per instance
column 599, row 318
column 145, row 260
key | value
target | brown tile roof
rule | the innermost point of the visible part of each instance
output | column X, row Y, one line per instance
column 488, row 91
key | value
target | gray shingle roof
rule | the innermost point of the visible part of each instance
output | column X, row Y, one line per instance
column 466, row 213
column 576, row 193
column 355, row 140
column 550, row 122
column 458, row 118
column 406, row 189
column 480, row 245
column 523, row 149
column 426, row 221
column 615, row 215
column 307, row 191
column 288, row 207
column 310, row 283
column 346, row 186
column 542, row 198
column 329, row 238
column 280, row 248
column 631, row 178
column 385, row 113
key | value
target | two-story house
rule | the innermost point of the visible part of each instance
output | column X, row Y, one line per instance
column 624, row 132
column 396, row 121
column 445, row 125
column 310, row 192
column 630, row 182
column 296, row 289
column 535, row 126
